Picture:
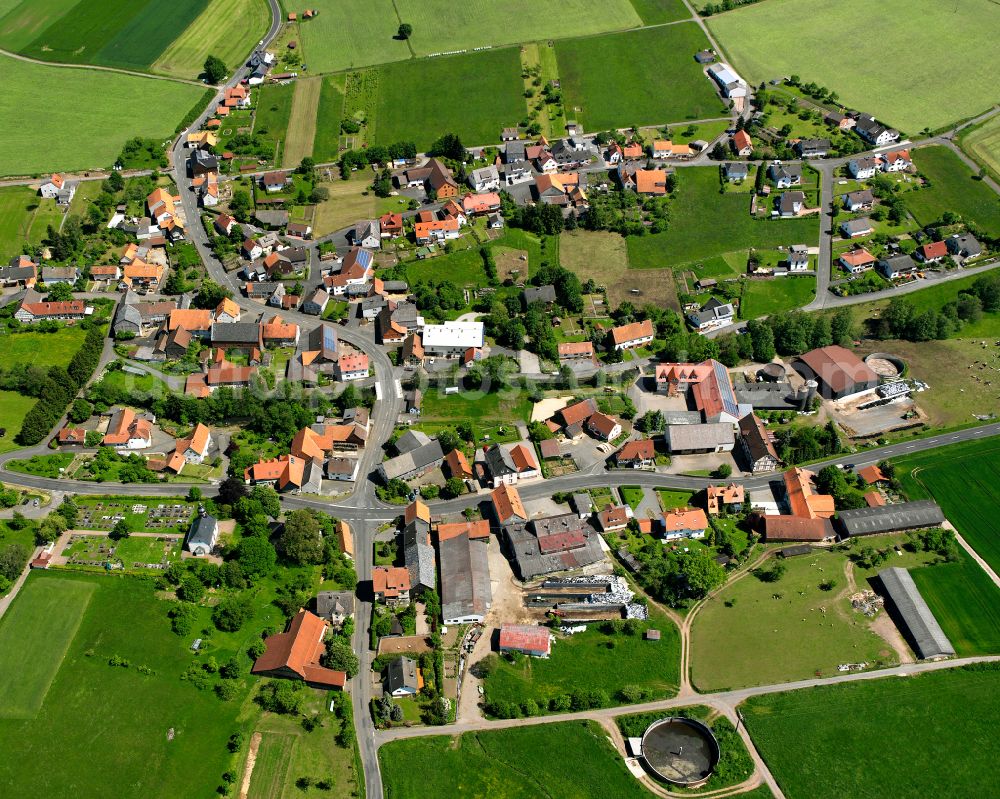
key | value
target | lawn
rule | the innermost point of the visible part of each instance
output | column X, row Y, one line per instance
column 631, row 496
column 962, row 479
column 982, row 142
column 673, row 499
column 40, row 465
column 13, row 408
column 271, row 118
column 930, row 86
column 704, row 223
column 329, row 115
column 421, row 100
column 766, row 297
column 954, row 188
column 893, row 739
column 965, row 602
column 593, row 661
column 271, row 766
column 758, row 633
column 610, row 81
column 120, row 731
column 474, row 406
column 302, row 122
column 19, row 208
column 83, row 112
column 656, row 12
column 38, row 630
column 463, row 268
column 136, row 552
column 440, row 26
column 41, row 349
column 603, row 257
column 515, row 763
column 185, row 56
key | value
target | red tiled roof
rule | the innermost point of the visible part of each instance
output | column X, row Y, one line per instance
column 390, row 581
column 298, row 650
column 524, row 637
column 632, row 331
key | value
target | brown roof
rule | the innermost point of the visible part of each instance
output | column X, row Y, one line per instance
column 476, row 530
column 571, row 348
column 755, row 437
column 417, row 510
column 874, row 499
column 794, row 528
column 190, row 319
column 639, row 449
column 803, row 501
column 507, row 503
column 549, row 448
column 523, row 458
column 298, row 650
column 632, row 331
column 602, row 424
column 578, row 412
column 839, row 368
column 390, row 581
column 742, row 139
column 613, row 516
column 685, row 519
column 872, row 474
column 458, row 464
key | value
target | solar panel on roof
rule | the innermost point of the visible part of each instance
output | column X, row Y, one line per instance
column 729, row 402
column 364, row 258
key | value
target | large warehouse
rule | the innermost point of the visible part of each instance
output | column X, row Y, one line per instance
column 839, row 372
column 913, row 616
column 890, row 518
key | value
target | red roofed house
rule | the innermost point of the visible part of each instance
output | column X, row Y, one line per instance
column 742, row 145
column 507, row 505
column 605, row 427
column 391, row 225
column 858, row 261
column 631, row 335
column 795, row 528
column 576, row 351
column 352, row 366
column 72, row 435
column 614, row 517
column 40, row 311
column 932, row 252
column 296, row 653
column 528, row 639
column 803, row 501
column 125, row 431
column 728, row 497
column 637, row 454
column 872, row 475
column 391, row 585
column 684, row 523
column 458, row 465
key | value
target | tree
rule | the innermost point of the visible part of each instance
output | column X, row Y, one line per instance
column 300, row 540
column 119, row 531
column 256, row 556
column 191, row 588
column 281, row 696
column 215, row 69
column 12, row 560
column 405, row 31
column 240, row 204
column 340, row 657
column 210, row 295
column 842, row 327
column 724, row 471
column 194, row 494
column 762, row 340
column 60, row 292
column 449, row 146
column 232, row 613
column 268, row 498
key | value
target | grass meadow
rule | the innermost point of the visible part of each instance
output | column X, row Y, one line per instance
column 705, row 223
column 302, row 121
column 329, row 115
column 766, row 297
column 965, row 602
column 656, row 12
column 13, row 408
column 35, row 635
column 85, row 115
column 982, row 142
column 185, row 56
column 271, row 766
column 473, row 95
column 953, row 188
column 41, row 349
column 440, row 26
column 927, row 735
column 641, row 77
column 330, row 45
column 962, row 479
column 20, row 207
column 931, row 85
column 589, row 661
column 572, row 759
column 272, row 115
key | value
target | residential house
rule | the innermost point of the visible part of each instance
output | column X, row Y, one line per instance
column 391, row 585
column 853, row 228
column 791, row 203
column 54, row 275
column 367, row 233
column 573, row 152
column 195, row 447
column 932, row 252
column 485, row 179
column 874, row 132
column 798, row 258
column 735, row 171
column 128, row 431
column 30, row 312
column 52, row 186
column 402, row 678
column 634, row 334
column 297, row 653
column 506, row 464
column 452, row 339
column 741, row 144
column 299, row 230
column 897, row 266
column 197, row 322
column 479, row 204
column 604, row 427
column 273, row 182
column 507, row 505
column 316, row 303
column 277, row 333
column 287, row 473
column 728, row 498
column 72, row 435
column 352, row 366
column 861, row 200
column 438, row 230
column 896, row 161
column 636, row 454
column 227, row 312
column 857, row 261
column 964, row 245
column 711, row 315
column 202, row 163
column 510, row 134
column 335, row 606
column 390, row 225
column 811, row 148
column 614, row 518
column 801, row 496
column 575, row 416
column 785, row 175
column 757, row 446
column 546, row 295
column 684, row 523
column 576, row 351
column 665, row 148
column 458, row 465
column 864, row 168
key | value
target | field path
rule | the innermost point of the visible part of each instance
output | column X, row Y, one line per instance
column 251, row 760
column 973, row 554
column 134, row 74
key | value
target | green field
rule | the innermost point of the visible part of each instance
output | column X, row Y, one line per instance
column 570, row 761
column 120, row 731
column 927, row 735
column 962, row 479
column 41, row 349
column 982, row 142
column 274, row 109
column 785, row 630
column 326, row 143
column 421, row 100
column 474, row 406
column 766, row 297
column 271, row 766
column 13, row 408
column 24, row 218
column 704, row 224
column 592, row 661
column 656, row 12
column 463, row 268
column 930, row 86
column 643, row 77
column 329, row 45
column 965, row 602
column 34, row 637
column 117, row 33
column 185, row 56
column 89, row 115
column 953, row 188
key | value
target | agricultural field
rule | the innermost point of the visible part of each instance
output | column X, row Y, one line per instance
column 606, row 79
column 953, row 188
column 962, row 479
column 83, row 112
column 982, row 143
column 940, row 88
column 185, row 56
column 13, row 408
column 603, row 257
column 592, row 661
column 421, row 100
column 965, row 602
column 41, row 349
column 474, row 406
column 329, row 45
column 758, row 633
column 915, row 721
column 329, row 115
column 302, row 121
column 766, row 297
column 271, row 117
column 656, row 12
column 158, row 735
column 704, row 223
column 115, row 33
column 515, row 763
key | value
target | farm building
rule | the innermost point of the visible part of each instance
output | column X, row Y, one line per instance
column 838, row 371
column 296, row 654
column 794, row 528
column 465, row 578
column 890, row 518
column 528, row 639
column 912, row 615
column 552, row 544
column 699, row 438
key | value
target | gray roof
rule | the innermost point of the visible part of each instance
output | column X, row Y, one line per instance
column 863, row 196
column 401, row 673
column 499, row 461
column 263, row 289
column 272, row 218
column 890, row 518
column 416, row 460
column 813, row 145
column 203, row 530
column 736, row 169
column 411, row 440
column 334, row 603
column 857, row 225
column 465, row 577
column 924, row 632
column 126, row 316
column 789, row 199
column 529, row 561
column 514, row 151
column 539, row 294
column 581, row 502
column 791, row 171
column 236, row 333
column 766, row 396
column 683, row 437
column 682, row 417
column 898, row 263
column 418, row 555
